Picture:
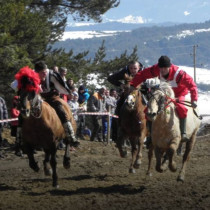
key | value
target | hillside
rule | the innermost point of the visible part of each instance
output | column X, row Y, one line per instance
column 176, row 41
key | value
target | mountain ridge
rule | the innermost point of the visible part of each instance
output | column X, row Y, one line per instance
column 151, row 43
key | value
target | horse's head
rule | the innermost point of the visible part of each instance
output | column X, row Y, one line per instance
column 132, row 98
column 28, row 85
column 157, row 100
column 25, row 102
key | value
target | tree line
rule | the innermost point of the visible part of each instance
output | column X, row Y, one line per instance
column 29, row 29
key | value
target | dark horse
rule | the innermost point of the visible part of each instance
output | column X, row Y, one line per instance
column 132, row 125
column 42, row 128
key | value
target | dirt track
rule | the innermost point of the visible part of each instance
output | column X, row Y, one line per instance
column 99, row 179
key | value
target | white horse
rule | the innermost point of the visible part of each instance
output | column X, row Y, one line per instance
column 166, row 135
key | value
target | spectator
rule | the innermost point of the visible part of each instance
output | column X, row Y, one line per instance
column 14, row 124
column 63, row 72
column 74, row 105
column 3, row 115
column 70, row 83
column 110, row 102
column 97, row 103
column 55, row 69
column 82, row 100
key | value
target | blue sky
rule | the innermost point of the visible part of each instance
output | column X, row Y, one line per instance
column 159, row 11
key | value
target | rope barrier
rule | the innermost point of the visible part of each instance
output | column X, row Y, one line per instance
column 9, row 120
column 82, row 113
column 98, row 113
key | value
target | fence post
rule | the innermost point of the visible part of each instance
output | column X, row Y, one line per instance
column 108, row 125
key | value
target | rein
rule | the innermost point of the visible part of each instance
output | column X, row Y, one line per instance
column 161, row 106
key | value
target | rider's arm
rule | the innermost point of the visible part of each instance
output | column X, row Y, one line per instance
column 116, row 77
column 187, row 81
column 145, row 74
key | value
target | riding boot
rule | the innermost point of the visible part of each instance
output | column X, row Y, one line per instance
column 70, row 136
column 149, row 138
column 18, row 142
column 183, row 129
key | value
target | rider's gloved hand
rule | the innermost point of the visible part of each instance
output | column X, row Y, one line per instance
column 194, row 104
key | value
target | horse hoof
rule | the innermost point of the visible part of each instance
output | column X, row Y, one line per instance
column 136, row 166
column 132, row 171
column 56, row 186
column 66, row 162
column 48, row 172
column 123, row 154
column 34, row 166
column 159, row 169
column 180, row 179
column 149, row 174
column 172, row 168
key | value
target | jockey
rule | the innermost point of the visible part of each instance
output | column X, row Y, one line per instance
column 50, row 88
column 52, row 85
column 180, row 81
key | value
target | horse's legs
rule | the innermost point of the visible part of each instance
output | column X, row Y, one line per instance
column 150, row 155
column 53, row 164
column 158, row 155
column 30, row 153
column 186, row 156
column 171, row 152
column 46, row 163
column 120, row 143
column 135, row 152
column 66, row 157
column 179, row 150
column 139, row 151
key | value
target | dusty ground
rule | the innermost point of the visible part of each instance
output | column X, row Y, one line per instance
column 99, row 179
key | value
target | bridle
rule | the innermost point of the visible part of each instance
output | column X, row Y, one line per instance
column 163, row 102
column 34, row 101
column 36, row 106
column 129, row 100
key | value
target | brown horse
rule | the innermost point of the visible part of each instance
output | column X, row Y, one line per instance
column 166, row 136
column 42, row 128
column 132, row 125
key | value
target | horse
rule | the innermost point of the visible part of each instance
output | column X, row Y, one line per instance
column 42, row 128
column 132, row 125
column 166, row 135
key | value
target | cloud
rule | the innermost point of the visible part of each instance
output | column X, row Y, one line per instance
column 186, row 13
column 129, row 19
column 78, row 24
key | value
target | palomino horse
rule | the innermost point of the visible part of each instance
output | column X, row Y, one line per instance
column 42, row 128
column 166, row 135
column 132, row 125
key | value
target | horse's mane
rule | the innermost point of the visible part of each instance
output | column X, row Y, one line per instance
column 28, row 79
column 167, row 89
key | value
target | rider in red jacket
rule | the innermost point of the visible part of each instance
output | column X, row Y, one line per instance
column 180, row 81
